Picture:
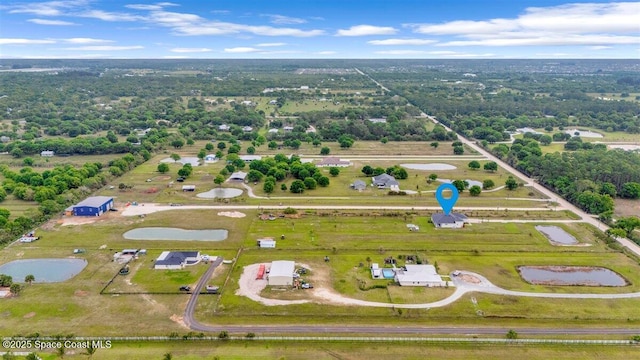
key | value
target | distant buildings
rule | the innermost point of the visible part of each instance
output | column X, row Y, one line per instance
column 333, row 161
column 359, row 185
column 378, row 120
column 385, row 181
column 238, row 176
column 250, row 158
column 47, row 153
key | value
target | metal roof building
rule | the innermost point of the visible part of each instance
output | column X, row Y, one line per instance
column 92, row 206
column 281, row 273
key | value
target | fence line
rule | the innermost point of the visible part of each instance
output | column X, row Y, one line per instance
column 436, row 340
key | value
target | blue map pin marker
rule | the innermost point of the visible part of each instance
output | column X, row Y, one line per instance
column 447, row 204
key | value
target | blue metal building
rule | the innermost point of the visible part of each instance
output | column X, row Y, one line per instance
column 92, row 206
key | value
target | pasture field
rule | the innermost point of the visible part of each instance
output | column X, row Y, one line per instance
column 352, row 240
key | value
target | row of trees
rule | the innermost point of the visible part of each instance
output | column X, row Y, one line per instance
column 54, row 190
column 590, row 177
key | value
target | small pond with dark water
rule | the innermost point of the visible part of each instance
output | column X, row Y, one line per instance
column 571, row 275
column 557, row 235
column 44, row 270
column 163, row 233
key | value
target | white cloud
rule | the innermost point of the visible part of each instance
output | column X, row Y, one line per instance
column 47, row 8
column 156, row 6
column 105, row 48
column 110, row 16
column 326, row 52
column 599, row 47
column 144, row 6
column 402, row 42
column 194, row 25
column 365, row 30
column 51, row 22
column 241, row 50
column 18, row 41
column 546, row 39
column 284, row 20
column 190, row 50
column 87, row 41
column 271, row 44
column 568, row 24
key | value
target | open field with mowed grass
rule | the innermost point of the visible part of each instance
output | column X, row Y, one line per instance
column 351, row 238
column 491, row 249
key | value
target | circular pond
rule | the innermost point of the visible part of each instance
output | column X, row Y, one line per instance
column 571, row 275
column 434, row 166
column 44, row 270
column 220, row 193
column 163, row 233
column 556, row 235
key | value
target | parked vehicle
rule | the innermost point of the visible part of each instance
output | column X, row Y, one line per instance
column 307, row 286
column 185, row 288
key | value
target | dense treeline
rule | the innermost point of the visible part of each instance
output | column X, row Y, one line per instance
column 55, row 189
column 589, row 177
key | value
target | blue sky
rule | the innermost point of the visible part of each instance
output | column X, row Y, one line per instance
column 473, row 29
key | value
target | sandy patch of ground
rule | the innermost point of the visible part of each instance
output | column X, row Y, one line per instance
column 232, row 214
column 80, row 293
column 178, row 320
column 251, row 288
column 469, row 279
column 29, row 315
column 77, row 220
column 321, row 293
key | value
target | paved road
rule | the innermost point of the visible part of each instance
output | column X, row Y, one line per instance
column 462, row 288
column 191, row 304
column 151, row 208
column 633, row 247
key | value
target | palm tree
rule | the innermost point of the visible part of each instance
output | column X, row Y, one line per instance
column 29, row 279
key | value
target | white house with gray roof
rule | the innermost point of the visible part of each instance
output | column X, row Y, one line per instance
column 450, row 221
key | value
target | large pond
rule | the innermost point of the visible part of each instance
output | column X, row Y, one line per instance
column 571, row 275
column 44, row 270
column 434, row 166
column 471, row 182
column 163, row 233
column 194, row 161
column 224, row 193
column 583, row 133
column 557, row 235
